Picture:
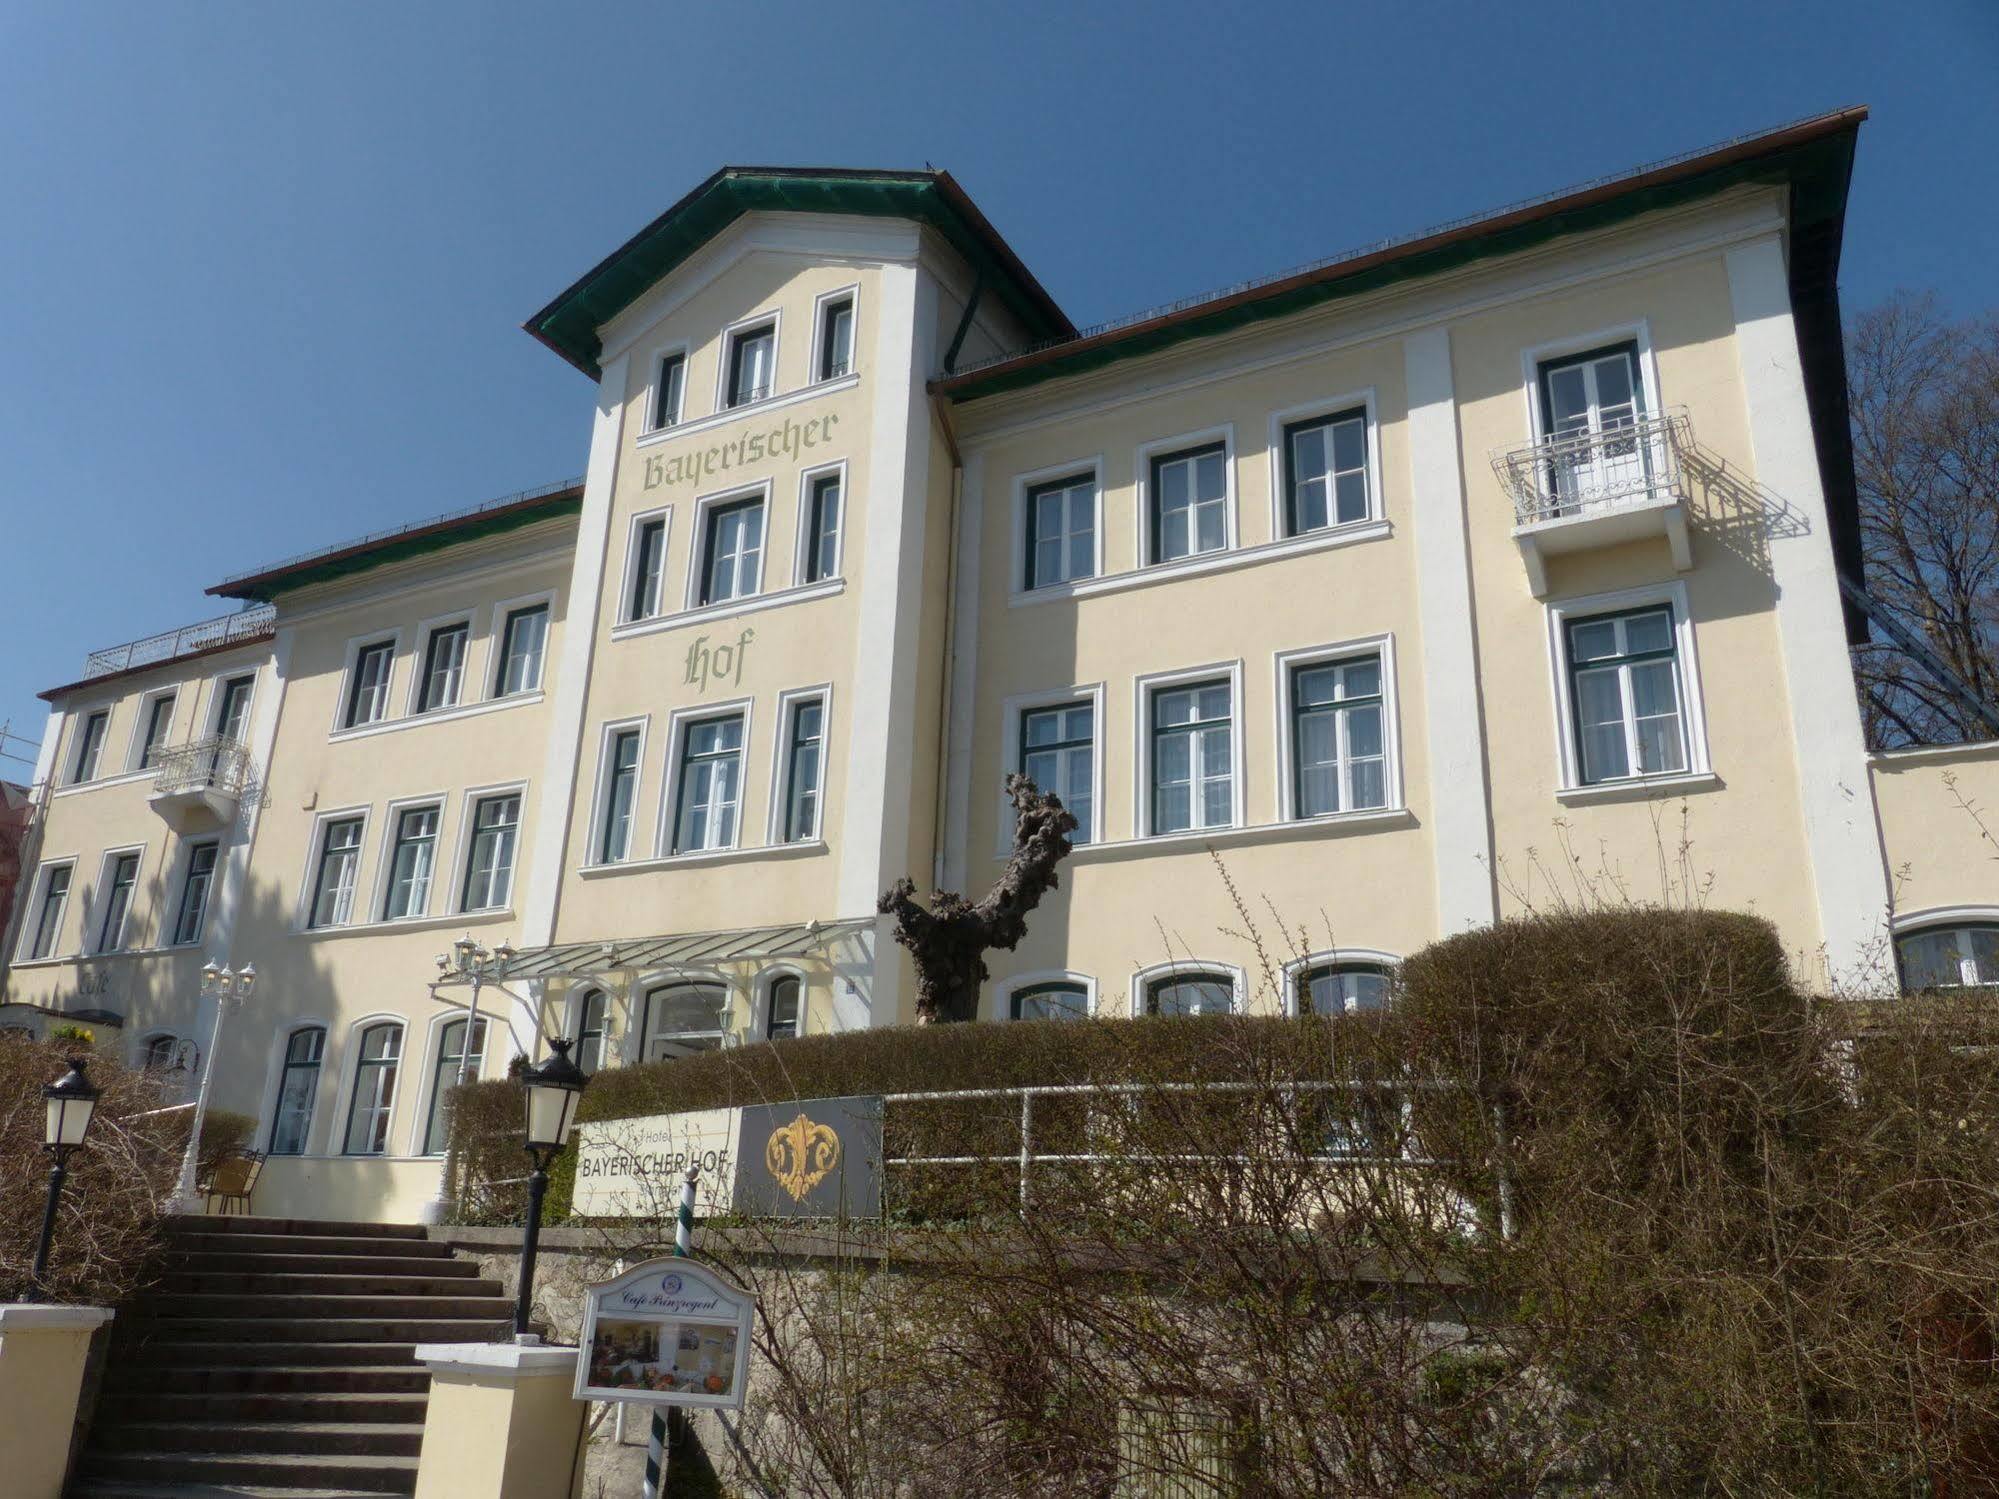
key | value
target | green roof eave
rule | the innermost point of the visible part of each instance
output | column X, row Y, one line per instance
column 1813, row 159
column 569, row 324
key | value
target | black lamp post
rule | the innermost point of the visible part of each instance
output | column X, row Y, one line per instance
column 554, row 1087
column 71, row 1102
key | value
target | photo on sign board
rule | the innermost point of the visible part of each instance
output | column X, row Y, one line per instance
column 663, row 1356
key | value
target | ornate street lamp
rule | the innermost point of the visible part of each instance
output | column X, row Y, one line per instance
column 468, row 960
column 71, row 1102
column 553, row 1087
column 226, row 987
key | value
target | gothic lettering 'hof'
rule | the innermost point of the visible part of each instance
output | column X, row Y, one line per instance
column 719, row 457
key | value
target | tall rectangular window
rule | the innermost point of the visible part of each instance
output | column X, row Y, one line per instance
column 450, row 1056
column 159, row 723
column 489, row 872
column 732, row 551
column 1058, row 751
column 1189, row 502
column 1325, row 472
column 1193, row 775
column 191, row 915
column 368, row 686
column 443, row 667
column 523, row 641
column 1062, row 531
column 1340, row 761
column 752, row 364
column 711, row 785
column 667, row 390
column 412, row 863
column 787, row 1000
column 648, row 569
column 1624, row 689
column 836, row 338
column 374, row 1090
column 822, row 529
column 123, row 878
column 333, row 880
column 232, row 713
column 49, row 914
column 1586, row 400
column 621, row 790
column 804, row 764
column 298, row 1086
column 589, row 1050
column 89, row 747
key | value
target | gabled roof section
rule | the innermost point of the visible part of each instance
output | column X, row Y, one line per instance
column 569, row 324
column 413, row 539
column 1813, row 158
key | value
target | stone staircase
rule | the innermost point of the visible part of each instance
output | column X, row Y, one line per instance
column 277, row 1358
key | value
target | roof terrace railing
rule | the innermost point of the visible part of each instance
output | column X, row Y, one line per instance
column 189, row 640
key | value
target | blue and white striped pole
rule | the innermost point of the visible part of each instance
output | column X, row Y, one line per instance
column 683, row 1246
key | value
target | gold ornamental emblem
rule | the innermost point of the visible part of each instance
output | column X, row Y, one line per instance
column 800, row 1155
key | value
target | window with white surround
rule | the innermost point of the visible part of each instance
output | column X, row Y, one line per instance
column 1593, row 394
column 1058, row 752
column 732, row 537
column 752, row 364
column 523, row 644
column 785, row 1007
column 444, row 1077
column 335, row 872
column 157, row 1057
column 1627, row 689
column 821, row 536
column 89, row 747
column 298, row 1090
column 158, row 724
column 1341, row 987
column 1049, row 999
column 1963, row 954
column 191, row 913
column 588, row 1035
column 374, row 1101
column 836, row 337
column 708, row 784
column 804, row 768
column 121, row 878
column 489, row 864
column 232, row 708
column 618, row 798
column 1187, row 502
column 1060, row 545
column 441, row 683
column 1326, row 481
column 645, row 591
column 412, row 862
column 669, row 390
column 1191, row 756
column 51, row 902
column 1190, row 991
column 681, row 1019
column 368, row 684
column 1338, row 737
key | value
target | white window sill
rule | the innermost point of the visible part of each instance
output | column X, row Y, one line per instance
column 437, row 715
column 404, row 924
column 705, row 856
column 1641, row 788
column 728, row 609
column 729, row 414
column 1207, row 562
column 123, row 778
column 1238, row 833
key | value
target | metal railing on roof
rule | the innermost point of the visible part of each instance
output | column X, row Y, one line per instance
column 372, row 538
column 189, row 640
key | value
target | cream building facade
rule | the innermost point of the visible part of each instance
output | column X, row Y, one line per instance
column 1491, row 568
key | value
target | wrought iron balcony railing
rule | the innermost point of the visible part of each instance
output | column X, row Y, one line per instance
column 217, row 765
column 189, row 640
column 1583, row 473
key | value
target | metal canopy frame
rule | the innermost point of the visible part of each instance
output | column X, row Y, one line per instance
column 587, row 960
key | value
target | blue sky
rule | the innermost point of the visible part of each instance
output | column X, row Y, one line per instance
column 264, row 266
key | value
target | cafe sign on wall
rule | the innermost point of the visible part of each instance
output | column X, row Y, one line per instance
column 667, row 1332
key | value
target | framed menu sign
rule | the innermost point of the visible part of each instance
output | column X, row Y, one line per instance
column 668, row 1332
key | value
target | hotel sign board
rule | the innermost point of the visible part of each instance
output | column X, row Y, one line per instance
column 667, row 1332
column 633, row 1168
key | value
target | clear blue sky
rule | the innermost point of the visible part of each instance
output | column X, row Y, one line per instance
column 264, row 266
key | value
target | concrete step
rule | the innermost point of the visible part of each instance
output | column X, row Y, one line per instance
column 218, row 1223
column 282, row 1471
column 228, row 1262
column 262, row 1404
column 115, row 1489
column 322, row 1329
column 351, row 1296
column 278, row 1438
column 142, row 1382
column 195, row 1348
column 327, row 1243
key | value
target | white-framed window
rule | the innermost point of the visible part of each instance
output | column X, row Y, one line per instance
column 336, row 869
column 645, row 569
column 1580, row 391
column 1192, row 987
column 1340, row 983
column 493, row 827
column 370, row 667
column 197, row 879
column 669, row 391
column 616, row 813
column 440, row 677
column 587, row 1028
column 232, row 707
column 1338, row 747
column 444, row 1077
column 155, row 728
column 1325, row 466
column 1186, row 496
column 682, row 1017
column 1046, row 996
column 749, row 361
column 707, row 781
column 41, row 934
column 298, row 1090
column 1058, row 752
column 88, row 749
column 157, row 1053
column 821, row 509
column 523, row 646
column 833, row 334
column 798, row 782
column 1958, row 953
column 1060, row 542
column 729, row 546
column 378, row 1058
column 783, row 1008
column 1190, row 750
column 119, row 882
column 411, row 866
column 1627, row 688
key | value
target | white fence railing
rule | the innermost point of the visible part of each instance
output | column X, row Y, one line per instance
column 214, row 764
column 1582, row 472
column 231, row 629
